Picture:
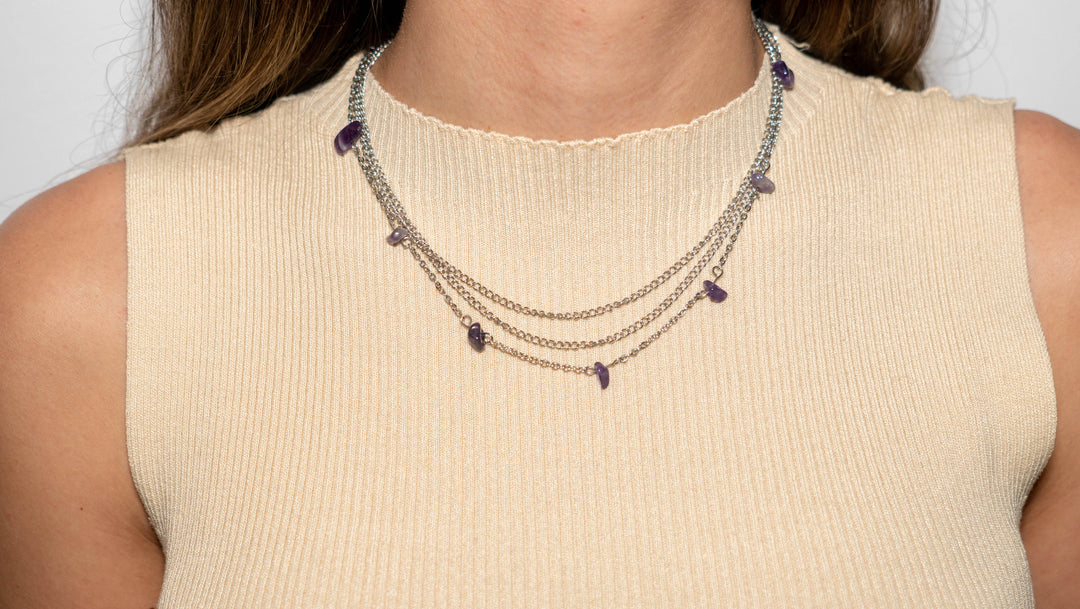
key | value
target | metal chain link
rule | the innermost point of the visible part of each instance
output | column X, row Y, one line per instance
column 726, row 227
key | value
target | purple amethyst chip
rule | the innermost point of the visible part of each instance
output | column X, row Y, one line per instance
column 784, row 73
column 347, row 137
column 602, row 374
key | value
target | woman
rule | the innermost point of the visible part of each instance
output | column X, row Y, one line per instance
column 221, row 386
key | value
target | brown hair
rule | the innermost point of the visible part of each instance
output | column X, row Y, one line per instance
column 211, row 60
column 884, row 38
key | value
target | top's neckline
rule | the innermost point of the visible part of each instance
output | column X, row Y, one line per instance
column 376, row 95
column 329, row 105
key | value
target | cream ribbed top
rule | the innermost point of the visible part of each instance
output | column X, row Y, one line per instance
column 857, row 425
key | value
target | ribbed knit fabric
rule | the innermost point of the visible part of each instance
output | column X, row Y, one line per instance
column 857, row 425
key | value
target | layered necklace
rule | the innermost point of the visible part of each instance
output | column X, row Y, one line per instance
column 404, row 234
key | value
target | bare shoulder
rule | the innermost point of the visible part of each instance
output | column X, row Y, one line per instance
column 73, row 232
column 1048, row 159
column 72, row 528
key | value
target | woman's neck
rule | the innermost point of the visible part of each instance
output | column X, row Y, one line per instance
column 566, row 70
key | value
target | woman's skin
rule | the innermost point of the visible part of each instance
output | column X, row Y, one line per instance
column 72, row 529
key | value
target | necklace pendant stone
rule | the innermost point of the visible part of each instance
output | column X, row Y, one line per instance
column 602, row 374
column 762, row 183
column 714, row 292
column 347, row 137
column 784, row 73
column 395, row 237
column 476, row 337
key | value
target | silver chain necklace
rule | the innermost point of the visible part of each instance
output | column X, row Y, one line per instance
column 356, row 136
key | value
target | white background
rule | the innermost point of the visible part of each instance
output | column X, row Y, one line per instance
column 66, row 66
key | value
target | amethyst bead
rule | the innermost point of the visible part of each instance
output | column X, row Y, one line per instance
column 761, row 183
column 476, row 337
column 714, row 292
column 602, row 374
column 347, row 137
column 784, row 73
column 395, row 237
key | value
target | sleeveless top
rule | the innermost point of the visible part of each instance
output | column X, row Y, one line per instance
column 858, row 424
